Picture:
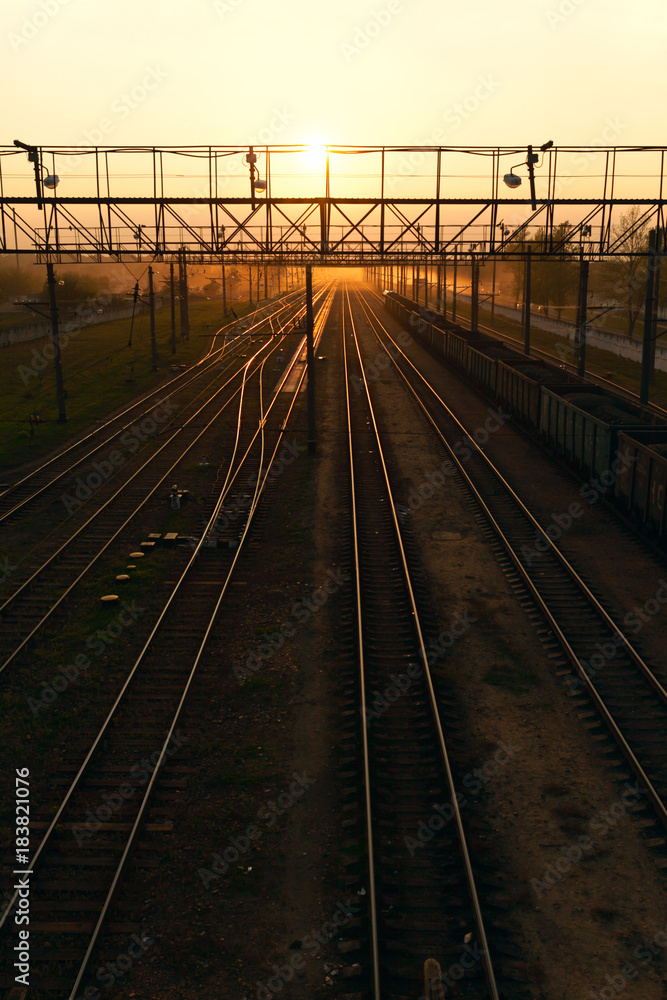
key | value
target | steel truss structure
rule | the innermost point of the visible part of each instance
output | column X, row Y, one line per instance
column 419, row 205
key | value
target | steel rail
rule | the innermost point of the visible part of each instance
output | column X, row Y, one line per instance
column 375, row 948
column 479, row 921
column 187, row 404
column 567, row 566
column 9, row 601
column 160, row 391
column 109, row 541
column 633, row 654
column 259, row 488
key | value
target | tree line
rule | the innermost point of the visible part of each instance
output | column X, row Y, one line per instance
column 619, row 281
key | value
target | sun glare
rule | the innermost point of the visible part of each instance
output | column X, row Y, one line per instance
column 316, row 155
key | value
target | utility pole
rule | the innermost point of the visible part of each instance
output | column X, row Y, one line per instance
column 526, row 296
column 55, row 339
column 151, row 306
column 656, row 302
column 456, row 264
column 172, row 296
column 582, row 318
column 312, row 440
column 647, row 348
column 266, row 282
column 185, row 318
column 224, row 294
column 250, row 286
column 180, row 292
column 186, row 304
column 493, row 289
column 474, row 294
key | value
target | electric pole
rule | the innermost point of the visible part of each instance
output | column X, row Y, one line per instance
column 172, row 296
column 474, row 294
column 151, row 306
column 582, row 318
column 456, row 263
column 527, row 295
column 649, row 310
column 185, row 318
column 55, row 338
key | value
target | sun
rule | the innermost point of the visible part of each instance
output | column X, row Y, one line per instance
column 315, row 155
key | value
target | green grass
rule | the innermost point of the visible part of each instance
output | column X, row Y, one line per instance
column 100, row 372
column 65, row 644
column 14, row 320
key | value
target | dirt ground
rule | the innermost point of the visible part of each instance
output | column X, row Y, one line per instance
column 250, row 876
column 241, row 933
column 586, row 891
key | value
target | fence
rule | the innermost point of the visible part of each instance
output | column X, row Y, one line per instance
column 37, row 331
column 616, row 343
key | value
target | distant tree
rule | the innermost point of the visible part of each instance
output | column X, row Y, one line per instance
column 623, row 277
column 74, row 288
column 18, row 282
column 554, row 280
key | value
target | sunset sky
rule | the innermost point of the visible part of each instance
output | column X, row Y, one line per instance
column 378, row 71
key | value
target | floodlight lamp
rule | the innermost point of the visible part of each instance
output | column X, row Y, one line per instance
column 512, row 180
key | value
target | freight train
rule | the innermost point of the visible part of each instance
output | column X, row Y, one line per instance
column 604, row 437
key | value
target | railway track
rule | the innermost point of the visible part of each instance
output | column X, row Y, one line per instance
column 81, row 861
column 423, row 908
column 33, row 490
column 535, row 352
column 603, row 665
column 25, row 612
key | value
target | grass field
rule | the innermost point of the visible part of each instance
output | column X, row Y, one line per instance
column 14, row 320
column 100, row 374
column 615, row 321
